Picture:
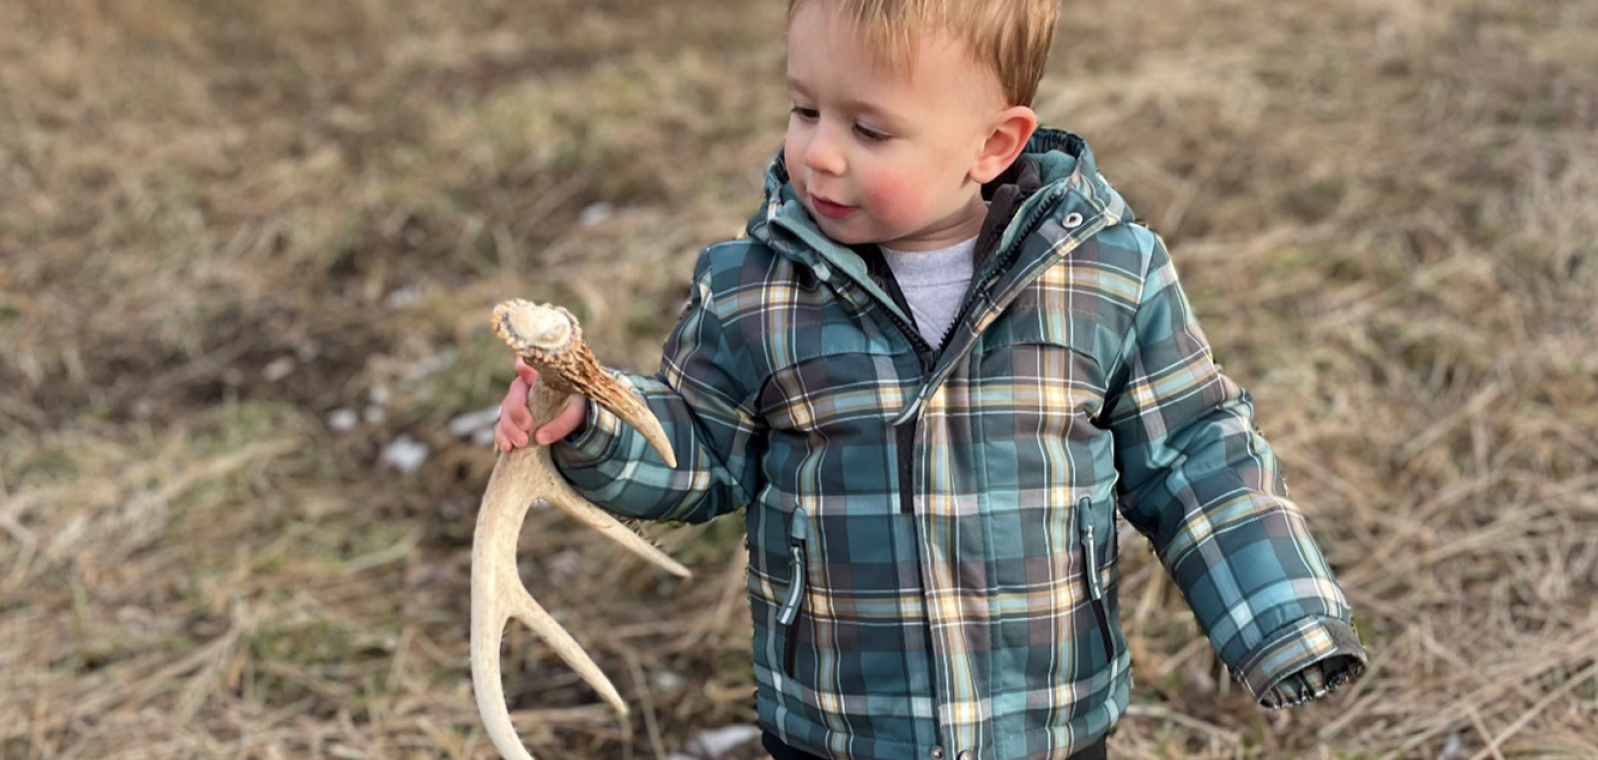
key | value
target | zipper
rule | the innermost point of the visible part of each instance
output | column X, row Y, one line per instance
column 928, row 356
column 907, row 440
column 991, row 275
column 905, row 435
column 1091, row 573
column 788, row 616
column 992, row 271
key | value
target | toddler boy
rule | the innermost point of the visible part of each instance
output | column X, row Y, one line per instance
column 939, row 363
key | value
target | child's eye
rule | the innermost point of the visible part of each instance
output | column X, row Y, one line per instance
column 869, row 133
column 804, row 113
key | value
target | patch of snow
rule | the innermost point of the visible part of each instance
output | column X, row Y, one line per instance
column 428, row 365
column 278, row 369
column 472, row 422
column 713, row 743
column 342, row 420
column 403, row 297
column 1453, row 748
column 565, row 563
column 404, row 454
column 596, row 214
column 665, row 680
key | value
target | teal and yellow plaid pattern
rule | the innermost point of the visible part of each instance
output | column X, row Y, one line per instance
column 980, row 614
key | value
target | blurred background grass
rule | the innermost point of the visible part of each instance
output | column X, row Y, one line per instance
column 246, row 247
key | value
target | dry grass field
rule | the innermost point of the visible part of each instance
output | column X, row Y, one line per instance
column 245, row 246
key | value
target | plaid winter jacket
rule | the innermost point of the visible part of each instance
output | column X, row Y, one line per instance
column 932, row 533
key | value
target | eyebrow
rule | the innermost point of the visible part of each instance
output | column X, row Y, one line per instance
column 893, row 122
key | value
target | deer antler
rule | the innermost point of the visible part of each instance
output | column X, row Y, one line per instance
column 548, row 338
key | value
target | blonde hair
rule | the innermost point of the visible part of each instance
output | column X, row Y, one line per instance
column 1010, row 36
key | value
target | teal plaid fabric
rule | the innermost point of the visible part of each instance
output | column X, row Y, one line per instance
column 933, row 536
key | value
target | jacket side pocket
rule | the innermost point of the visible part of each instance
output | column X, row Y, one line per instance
column 1092, row 571
column 788, row 616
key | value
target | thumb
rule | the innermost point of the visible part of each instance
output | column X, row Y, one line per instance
column 525, row 371
column 570, row 418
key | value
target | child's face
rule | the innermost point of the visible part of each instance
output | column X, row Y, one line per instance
column 878, row 156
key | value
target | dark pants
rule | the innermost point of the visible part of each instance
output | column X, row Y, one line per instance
column 780, row 751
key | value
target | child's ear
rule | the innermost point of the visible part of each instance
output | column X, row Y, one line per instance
column 1007, row 136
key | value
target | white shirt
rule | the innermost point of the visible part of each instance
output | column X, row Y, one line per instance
column 933, row 282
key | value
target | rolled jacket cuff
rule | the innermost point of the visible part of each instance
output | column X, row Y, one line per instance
column 1302, row 661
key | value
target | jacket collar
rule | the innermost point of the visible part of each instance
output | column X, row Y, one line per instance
column 1062, row 162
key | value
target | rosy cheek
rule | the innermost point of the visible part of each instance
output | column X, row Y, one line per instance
column 894, row 199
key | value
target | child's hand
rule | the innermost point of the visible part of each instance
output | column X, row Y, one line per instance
column 516, row 423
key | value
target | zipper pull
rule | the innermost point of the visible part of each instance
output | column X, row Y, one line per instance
column 795, row 586
column 1095, row 588
column 1095, row 585
column 798, row 534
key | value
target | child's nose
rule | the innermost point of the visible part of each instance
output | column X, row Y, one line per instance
column 822, row 155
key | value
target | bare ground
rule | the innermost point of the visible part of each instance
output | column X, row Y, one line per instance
column 221, row 222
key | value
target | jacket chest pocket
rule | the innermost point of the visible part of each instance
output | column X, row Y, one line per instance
column 1040, row 385
column 844, row 389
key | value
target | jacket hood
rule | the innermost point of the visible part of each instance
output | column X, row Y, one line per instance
column 1053, row 164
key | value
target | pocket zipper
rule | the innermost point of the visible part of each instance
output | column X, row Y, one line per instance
column 788, row 616
column 1090, row 556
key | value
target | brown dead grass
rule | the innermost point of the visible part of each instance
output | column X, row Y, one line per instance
column 220, row 221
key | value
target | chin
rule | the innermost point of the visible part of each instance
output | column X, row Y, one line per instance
column 847, row 239
column 853, row 232
column 840, row 232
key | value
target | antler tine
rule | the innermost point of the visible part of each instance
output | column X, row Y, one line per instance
column 549, row 338
column 498, row 595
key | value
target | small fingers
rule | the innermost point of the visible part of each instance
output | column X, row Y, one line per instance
column 505, row 438
column 514, row 427
column 514, row 408
column 511, row 430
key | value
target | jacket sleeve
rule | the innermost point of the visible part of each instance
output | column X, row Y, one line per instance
column 700, row 401
column 1200, row 481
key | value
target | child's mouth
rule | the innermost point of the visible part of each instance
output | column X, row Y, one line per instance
column 829, row 209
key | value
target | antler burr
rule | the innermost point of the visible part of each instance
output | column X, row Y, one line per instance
column 548, row 338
